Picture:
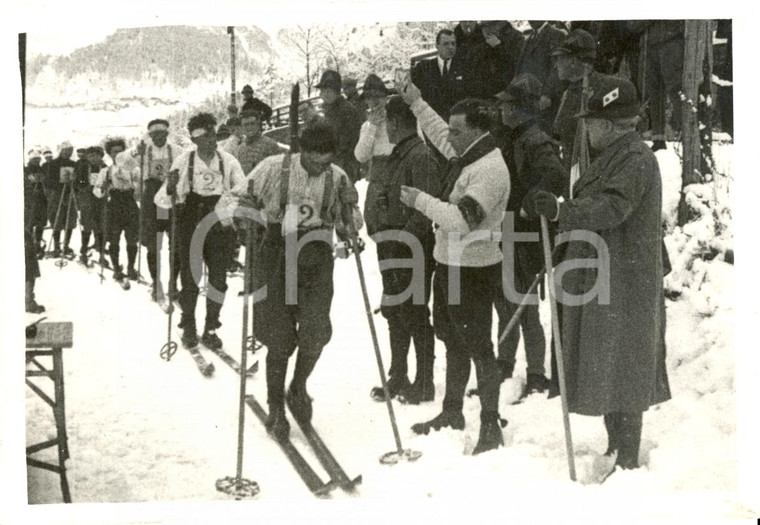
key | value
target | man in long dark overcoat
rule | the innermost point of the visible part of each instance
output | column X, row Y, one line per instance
column 613, row 342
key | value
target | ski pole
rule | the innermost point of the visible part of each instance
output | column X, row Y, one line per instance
column 55, row 223
column 60, row 263
column 389, row 458
column 516, row 316
column 140, row 215
column 558, row 346
column 170, row 348
column 239, row 486
column 104, row 229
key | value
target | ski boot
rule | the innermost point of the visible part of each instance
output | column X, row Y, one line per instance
column 56, row 254
column 299, row 403
column 132, row 274
column 189, row 334
column 447, row 418
column 33, row 308
column 83, row 260
column 396, row 385
column 490, row 437
column 69, row 253
column 277, row 424
column 210, row 340
column 418, row 392
column 536, row 384
column 118, row 275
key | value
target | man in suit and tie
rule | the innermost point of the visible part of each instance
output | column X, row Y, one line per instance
column 441, row 80
column 536, row 59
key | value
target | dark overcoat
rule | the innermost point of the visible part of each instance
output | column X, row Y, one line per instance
column 614, row 353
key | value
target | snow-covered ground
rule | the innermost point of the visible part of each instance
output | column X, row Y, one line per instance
column 146, row 430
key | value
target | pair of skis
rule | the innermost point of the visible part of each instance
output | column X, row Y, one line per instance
column 312, row 480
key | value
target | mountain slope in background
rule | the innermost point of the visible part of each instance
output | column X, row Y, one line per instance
column 170, row 56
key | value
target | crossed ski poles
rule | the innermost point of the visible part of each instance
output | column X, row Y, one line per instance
column 61, row 262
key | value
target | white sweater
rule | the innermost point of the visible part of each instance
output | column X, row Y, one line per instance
column 485, row 180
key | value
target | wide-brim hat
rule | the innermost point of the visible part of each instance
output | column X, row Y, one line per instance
column 374, row 86
column 330, row 79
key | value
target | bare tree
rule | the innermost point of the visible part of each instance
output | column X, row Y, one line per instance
column 305, row 42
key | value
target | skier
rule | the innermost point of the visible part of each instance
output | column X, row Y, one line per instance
column 34, row 174
column 197, row 178
column 307, row 197
column 90, row 206
column 157, row 156
column 614, row 353
column 118, row 186
column 532, row 158
column 59, row 173
column 412, row 163
column 472, row 204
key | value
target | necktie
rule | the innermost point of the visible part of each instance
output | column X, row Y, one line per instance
column 445, row 68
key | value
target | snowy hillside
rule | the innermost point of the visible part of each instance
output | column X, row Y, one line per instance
column 145, row 430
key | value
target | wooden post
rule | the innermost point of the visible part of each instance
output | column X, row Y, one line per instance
column 697, row 37
column 231, row 32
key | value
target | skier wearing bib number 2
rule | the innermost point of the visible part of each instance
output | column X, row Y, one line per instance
column 300, row 194
column 197, row 179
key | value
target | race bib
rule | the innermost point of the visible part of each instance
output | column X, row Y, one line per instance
column 66, row 174
column 207, row 182
column 303, row 215
column 93, row 178
column 159, row 169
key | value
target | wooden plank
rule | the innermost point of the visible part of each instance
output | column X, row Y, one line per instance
column 52, row 335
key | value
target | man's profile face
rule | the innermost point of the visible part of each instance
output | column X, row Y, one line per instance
column 328, row 95
column 460, row 134
column 446, row 46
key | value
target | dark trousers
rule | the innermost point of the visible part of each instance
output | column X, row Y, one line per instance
column 408, row 321
column 465, row 328
column 664, row 71
column 215, row 253
column 122, row 217
column 534, row 340
column 283, row 327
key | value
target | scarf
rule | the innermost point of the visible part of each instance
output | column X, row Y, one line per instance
column 456, row 164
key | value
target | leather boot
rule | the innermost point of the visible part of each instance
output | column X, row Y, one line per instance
column 298, row 398
column 490, row 437
column 277, row 367
column 629, row 439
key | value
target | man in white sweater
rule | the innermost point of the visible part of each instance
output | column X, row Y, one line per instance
column 469, row 217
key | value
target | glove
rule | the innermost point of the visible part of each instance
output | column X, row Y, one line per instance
column 538, row 203
column 171, row 182
column 141, row 148
column 409, row 195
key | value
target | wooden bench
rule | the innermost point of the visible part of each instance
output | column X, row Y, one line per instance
column 49, row 341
